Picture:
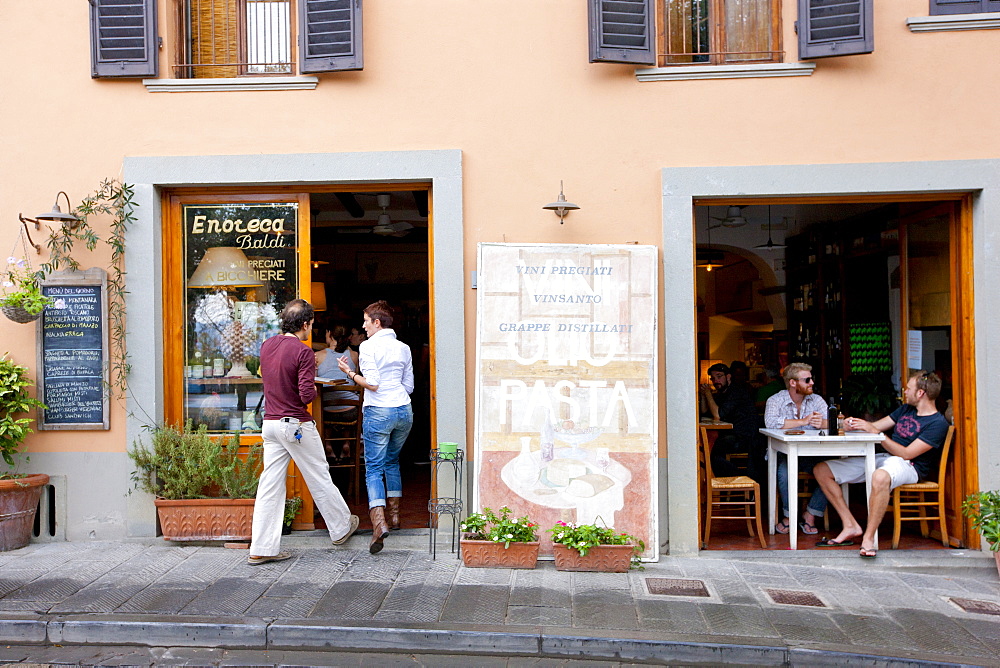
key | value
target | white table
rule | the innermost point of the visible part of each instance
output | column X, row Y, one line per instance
column 811, row 444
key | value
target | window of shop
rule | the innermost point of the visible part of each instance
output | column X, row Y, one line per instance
column 240, row 266
column 721, row 31
column 235, row 37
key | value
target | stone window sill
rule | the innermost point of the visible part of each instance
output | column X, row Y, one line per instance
column 755, row 70
column 984, row 21
column 239, row 83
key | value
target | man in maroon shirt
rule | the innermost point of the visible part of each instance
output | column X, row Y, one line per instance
column 288, row 368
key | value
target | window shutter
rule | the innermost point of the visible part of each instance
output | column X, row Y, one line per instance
column 123, row 41
column 946, row 7
column 330, row 40
column 835, row 28
column 621, row 31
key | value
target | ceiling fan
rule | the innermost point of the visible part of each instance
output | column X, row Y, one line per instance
column 385, row 227
column 734, row 217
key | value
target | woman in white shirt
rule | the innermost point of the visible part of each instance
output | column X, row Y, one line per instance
column 386, row 373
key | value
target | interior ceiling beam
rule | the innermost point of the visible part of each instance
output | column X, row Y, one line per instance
column 420, row 197
column 350, row 203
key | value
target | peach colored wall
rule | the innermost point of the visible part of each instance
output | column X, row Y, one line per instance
column 508, row 83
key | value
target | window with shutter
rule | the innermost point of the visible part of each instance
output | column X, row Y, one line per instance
column 231, row 38
column 331, row 35
column 621, row 31
column 702, row 32
column 835, row 28
column 123, row 38
column 946, row 7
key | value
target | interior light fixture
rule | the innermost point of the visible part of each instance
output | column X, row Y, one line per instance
column 224, row 267
column 734, row 217
column 561, row 206
column 56, row 215
column 707, row 258
column 770, row 245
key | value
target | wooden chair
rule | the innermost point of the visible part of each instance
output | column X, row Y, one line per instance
column 342, row 426
column 915, row 500
column 725, row 493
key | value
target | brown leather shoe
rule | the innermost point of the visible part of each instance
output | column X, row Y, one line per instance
column 379, row 528
column 393, row 512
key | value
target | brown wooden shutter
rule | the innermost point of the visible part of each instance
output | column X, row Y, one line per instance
column 621, row 31
column 330, row 39
column 830, row 28
column 123, row 41
column 946, row 7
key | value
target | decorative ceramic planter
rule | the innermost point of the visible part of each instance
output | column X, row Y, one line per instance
column 487, row 554
column 604, row 558
column 205, row 519
column 18, row 503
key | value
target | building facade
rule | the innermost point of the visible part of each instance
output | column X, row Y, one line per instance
column 654, row 115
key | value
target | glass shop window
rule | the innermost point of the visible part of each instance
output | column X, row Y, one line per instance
column 241, row 267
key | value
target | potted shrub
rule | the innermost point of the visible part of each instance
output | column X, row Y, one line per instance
column 19, row 492
column 499, row 541
column 984, row 510
column 204, row 489
column 870, row 395
column 588, row 547
column 292, row 507
column 22, row 299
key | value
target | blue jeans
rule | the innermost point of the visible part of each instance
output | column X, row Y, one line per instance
column 817, row 504
column 384, row 432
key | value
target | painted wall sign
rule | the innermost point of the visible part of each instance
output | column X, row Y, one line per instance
column 566, row 409
column 73, row 347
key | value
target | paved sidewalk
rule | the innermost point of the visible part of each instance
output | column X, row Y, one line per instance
column 895, row 610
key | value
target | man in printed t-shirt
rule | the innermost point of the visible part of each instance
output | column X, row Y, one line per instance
column 912, row 455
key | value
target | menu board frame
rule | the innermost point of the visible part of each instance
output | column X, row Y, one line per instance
column 95, row 277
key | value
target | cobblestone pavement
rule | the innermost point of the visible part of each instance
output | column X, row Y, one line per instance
column 205, row 604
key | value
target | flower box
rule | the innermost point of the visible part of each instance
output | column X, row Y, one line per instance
column 490, row 554
column 205, row 519
column 602, row 558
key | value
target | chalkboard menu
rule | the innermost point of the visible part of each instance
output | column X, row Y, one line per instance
column 73, row 344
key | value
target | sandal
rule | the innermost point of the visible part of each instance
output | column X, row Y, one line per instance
column 782, row 527
column 281, row 556
column 868, row 553
column 808, row 529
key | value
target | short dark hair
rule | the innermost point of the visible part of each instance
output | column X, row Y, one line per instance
column 929, row 382
column 719, row 366
column 295, row 315
column 380, row 311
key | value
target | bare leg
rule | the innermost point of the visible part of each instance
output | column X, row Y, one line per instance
column 877, row 503
column 824, row 476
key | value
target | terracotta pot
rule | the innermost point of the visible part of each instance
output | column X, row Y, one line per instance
column 18, row 503
column 604, row 558
column 205, row 519
column 487, row 554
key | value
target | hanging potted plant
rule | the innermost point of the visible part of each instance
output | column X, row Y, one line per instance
column 204, row 489
column 19, row 493
column 499, row 541
column 588, row 547
column 984, row 510
column 22, row 300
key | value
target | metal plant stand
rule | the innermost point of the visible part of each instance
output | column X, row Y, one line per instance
column 445, row 505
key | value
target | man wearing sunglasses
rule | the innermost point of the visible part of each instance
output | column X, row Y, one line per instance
column 797, row 407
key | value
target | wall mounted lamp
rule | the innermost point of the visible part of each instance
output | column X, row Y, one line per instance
column 561, row 206
column 67, row 219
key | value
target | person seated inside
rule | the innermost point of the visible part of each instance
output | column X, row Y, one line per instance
column 912, row 454
column 771, row 384
column 731, row 402
column 338, row 345
column 797, row 407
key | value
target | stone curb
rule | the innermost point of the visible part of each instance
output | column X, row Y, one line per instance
column 529, row 641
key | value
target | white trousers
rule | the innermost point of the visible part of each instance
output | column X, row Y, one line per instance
column 280, row 446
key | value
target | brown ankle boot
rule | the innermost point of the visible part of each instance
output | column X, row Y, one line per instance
column 393, row 512
column 379, row 529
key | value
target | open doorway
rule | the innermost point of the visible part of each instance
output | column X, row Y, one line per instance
column 367, row 245
column 864, row 292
